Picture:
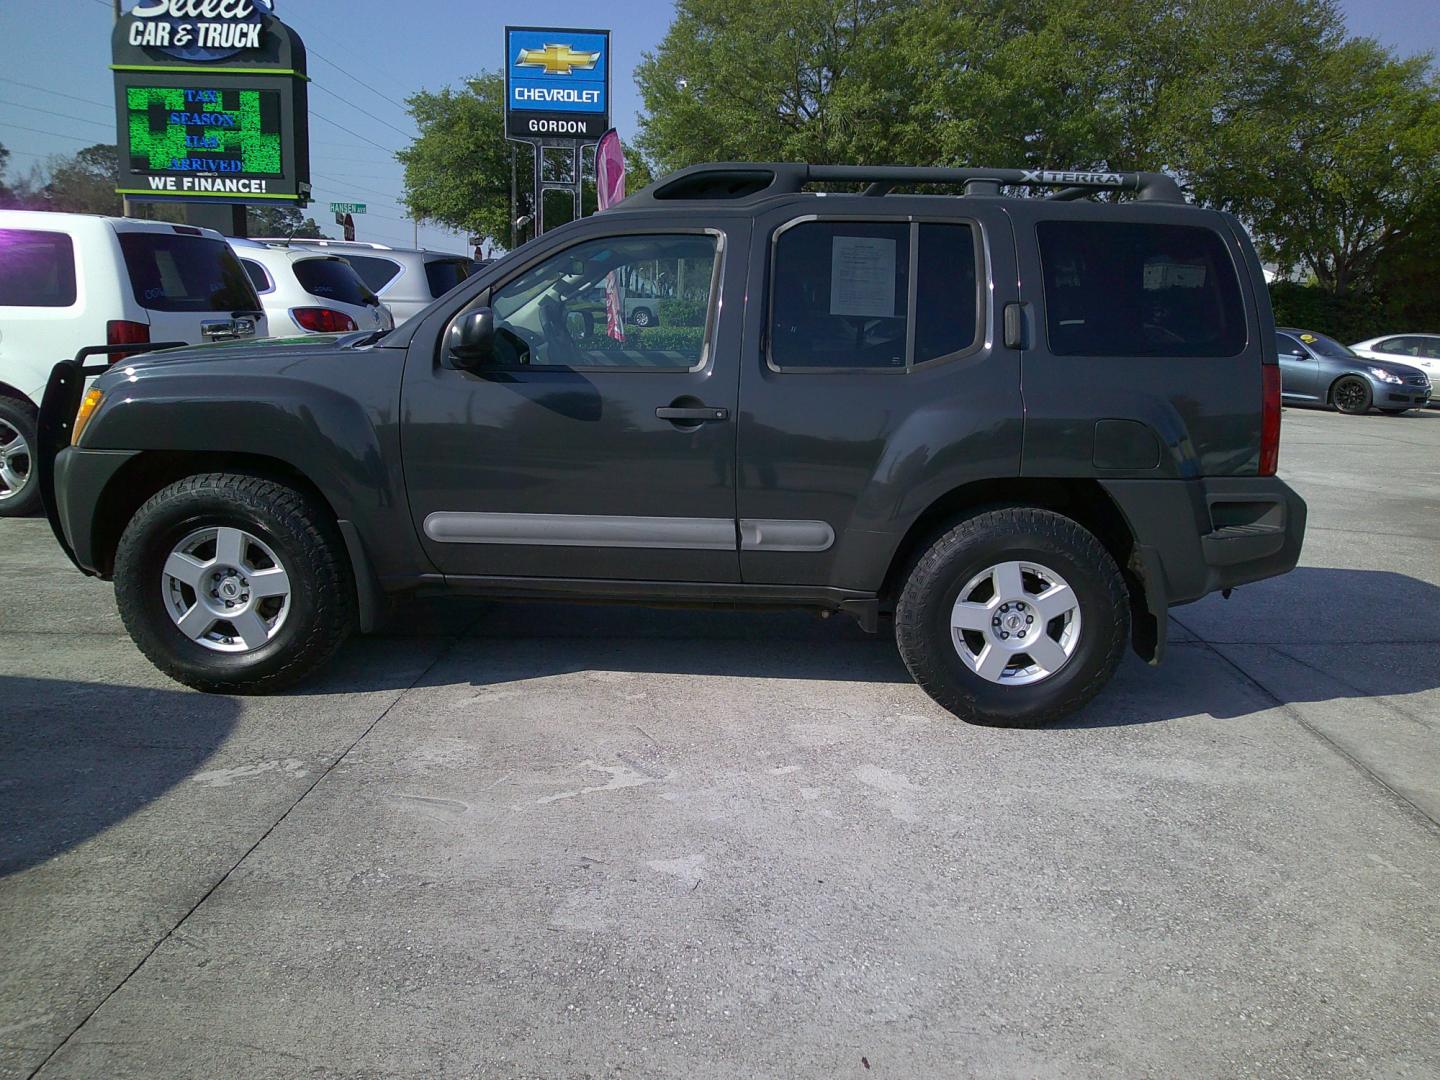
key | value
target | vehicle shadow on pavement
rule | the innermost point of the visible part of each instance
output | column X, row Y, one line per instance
column 1287, row 621
column 76, row 758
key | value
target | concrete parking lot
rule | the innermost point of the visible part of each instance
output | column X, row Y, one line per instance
column 561, row 841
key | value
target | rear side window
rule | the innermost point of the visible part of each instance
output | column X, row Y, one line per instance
column 333, row 279
column 1133, row 289
column 37, row 269
column 444, row 274
column 843, row 295
column 373, row 270
column 840, row 295
column 257, row 275
column 179, row 272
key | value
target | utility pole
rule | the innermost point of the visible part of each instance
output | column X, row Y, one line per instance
column 124, row 199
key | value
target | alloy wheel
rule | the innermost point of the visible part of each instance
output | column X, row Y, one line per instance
column 1016, row 623
column 226, row 589
column 15, row 461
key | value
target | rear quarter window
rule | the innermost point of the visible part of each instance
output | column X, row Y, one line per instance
column 37, row 269
column 373, row 270
column 444, row 274
column 1137, row 289
column 180, row 272
column 333, row 279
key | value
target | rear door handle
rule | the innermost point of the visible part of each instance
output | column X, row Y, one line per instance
column 1016, row 320
column 691, row 415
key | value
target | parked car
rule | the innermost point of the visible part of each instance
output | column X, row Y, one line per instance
column 310, row 292
column 408, row 280
column 72, row 280
column 885, row 462
column 1318, row 370
column 1419, row 350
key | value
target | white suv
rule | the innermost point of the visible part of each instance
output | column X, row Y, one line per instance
column 309, row 292
column 1417, row 350
column 72, row 280
column 407, row 279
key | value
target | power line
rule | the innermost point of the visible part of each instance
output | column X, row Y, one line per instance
column 346, row 183
column 356, row 79
column 52, row 112
column 357, row 108
column 54, row 134
column 57, row 93
column 348, row 131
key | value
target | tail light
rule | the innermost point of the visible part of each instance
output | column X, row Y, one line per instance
column 322, row 320
column 124, row 332
column 1269, row 419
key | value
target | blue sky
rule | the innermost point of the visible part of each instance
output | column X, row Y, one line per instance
column 394, row 46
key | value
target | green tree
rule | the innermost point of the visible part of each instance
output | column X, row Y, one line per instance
column 457, row 172
column 85, row 182
column 280, row 221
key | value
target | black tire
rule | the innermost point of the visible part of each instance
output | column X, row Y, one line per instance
column 1351, row 395
column 642, row 317
column 922, row 616
column 322, row 609
column 19, row 419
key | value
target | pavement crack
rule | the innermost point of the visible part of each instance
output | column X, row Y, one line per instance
column 1425, row 819
column 455, row 640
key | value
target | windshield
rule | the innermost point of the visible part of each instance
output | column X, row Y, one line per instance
column 1324, row 346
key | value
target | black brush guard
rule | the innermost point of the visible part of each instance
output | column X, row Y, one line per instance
column 57, row 419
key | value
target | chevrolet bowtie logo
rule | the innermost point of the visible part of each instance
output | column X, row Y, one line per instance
column 557, row 59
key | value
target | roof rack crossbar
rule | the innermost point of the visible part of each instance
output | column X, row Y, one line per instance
column 731, row 180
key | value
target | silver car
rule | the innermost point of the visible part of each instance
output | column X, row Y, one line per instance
column 407, row 280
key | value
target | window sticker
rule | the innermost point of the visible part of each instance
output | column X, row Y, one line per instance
column 862, row 276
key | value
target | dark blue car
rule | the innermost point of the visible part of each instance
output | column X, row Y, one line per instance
column 1318, row 370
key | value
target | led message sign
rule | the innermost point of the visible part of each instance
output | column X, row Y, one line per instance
column 228, row 122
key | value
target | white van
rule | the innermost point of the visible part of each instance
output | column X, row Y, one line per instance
column 72, row 280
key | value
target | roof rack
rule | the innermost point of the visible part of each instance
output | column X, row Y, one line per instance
column 737, row 181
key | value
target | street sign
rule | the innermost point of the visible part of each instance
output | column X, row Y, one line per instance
column 557, row 83
column 347, row 208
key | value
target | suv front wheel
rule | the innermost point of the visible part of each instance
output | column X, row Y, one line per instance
column 1013, row 618
column 234, row 583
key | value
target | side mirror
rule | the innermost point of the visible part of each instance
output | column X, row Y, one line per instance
column 581, row 324
column 471, row 338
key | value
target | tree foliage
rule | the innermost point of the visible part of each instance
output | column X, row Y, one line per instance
column 457, row 172
column 281, row 221
column 1326, row 145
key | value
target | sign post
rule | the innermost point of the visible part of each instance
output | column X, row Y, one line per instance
column 557, row 95
column 211, row 109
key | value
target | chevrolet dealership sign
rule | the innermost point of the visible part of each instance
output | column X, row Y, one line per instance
column 557, row 83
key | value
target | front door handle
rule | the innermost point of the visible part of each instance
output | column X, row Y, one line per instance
column 698, row 415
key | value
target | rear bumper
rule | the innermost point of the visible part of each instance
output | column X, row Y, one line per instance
column 1201, row 536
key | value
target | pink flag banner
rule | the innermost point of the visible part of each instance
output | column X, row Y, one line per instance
column 609, row 190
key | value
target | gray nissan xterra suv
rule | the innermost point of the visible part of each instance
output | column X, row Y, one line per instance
column 1022, row 428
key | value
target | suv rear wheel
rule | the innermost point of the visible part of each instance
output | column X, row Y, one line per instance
column 234, row 583
column 1013, row 618
column 19, row 492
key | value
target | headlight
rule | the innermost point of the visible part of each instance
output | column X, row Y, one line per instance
column 1385, row 376
column 88, row 404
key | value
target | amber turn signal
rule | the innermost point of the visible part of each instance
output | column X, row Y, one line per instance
column 88, row 404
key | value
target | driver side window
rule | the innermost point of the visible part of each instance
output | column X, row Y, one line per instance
column 637, row 302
